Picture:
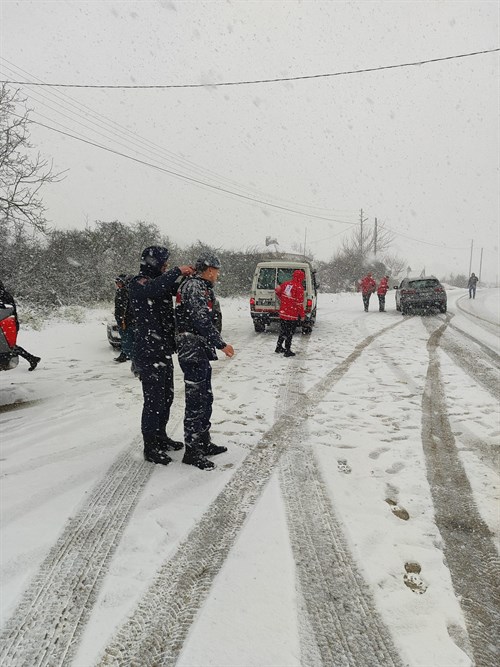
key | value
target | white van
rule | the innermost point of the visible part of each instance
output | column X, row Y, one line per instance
column 264, row 304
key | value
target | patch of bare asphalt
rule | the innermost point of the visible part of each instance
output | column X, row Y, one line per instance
column 19, row 405
column 469, row 549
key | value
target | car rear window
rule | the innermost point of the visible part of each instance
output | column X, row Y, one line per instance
column 267, row 279
column 284, row 275
column 422, row 284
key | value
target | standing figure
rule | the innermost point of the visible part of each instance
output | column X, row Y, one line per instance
column 150, row 295
column 381, row 292
column 124, row 316
column 473, row 280
column 368, row 286
column 7, row 298
column 291, row 298
column 197, row 341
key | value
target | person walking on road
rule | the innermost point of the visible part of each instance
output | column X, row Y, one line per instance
column 368, row 286
column 151, row 293
column 473, row 280
column 381, row 292
column 197, row 341
column 291, row 298
column 8, row 299
column 124, row 316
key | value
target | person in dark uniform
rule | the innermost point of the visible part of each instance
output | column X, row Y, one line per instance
column 7, row 298
column 124, row 316
column 197, row 341
column 150, row 295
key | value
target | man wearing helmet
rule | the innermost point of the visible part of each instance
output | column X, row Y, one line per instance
column 197, row 340
column 150, row 295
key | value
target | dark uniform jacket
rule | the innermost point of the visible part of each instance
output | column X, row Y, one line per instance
column 124, row 313
column 151, row 302
column 195, row 320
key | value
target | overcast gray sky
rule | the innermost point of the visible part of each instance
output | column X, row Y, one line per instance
column 416, row 147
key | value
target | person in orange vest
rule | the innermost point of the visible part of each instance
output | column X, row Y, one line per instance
column 291, row 297
column 381, row 292
column 368, row 286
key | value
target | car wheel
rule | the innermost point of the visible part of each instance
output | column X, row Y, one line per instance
column 259, row 326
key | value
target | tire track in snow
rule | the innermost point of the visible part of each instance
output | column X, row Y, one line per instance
column 155, row 633
column 483, row 368
column 338, row 621
column 468, row 546
column 44, row 628
column 340, row 607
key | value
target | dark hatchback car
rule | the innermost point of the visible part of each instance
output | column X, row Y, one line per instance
column 424, row 293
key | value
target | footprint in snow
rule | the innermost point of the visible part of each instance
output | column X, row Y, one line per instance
column 412, row 578
column 398, row 511
column 343, row 466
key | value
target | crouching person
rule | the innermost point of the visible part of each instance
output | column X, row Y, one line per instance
column 151, row 297
column 197, row 340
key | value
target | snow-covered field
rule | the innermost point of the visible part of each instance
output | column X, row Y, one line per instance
column 353, row 521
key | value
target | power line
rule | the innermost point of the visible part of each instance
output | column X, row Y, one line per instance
column 187, row 178
column 159, row 153
column 259, row 81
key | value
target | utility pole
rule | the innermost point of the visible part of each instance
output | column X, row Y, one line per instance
column 361, row 220
column 305, row 240
column 480, row 265
column 470, row 261
column 375, row 239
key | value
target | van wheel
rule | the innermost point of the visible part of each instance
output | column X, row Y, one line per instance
column 259, row 326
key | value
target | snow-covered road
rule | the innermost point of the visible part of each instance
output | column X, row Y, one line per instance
column 354, row 520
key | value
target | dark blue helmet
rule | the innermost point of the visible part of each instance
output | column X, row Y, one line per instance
column 207, row 260
column 152, row 259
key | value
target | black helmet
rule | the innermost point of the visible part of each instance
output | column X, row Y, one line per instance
column 152, row 259
column 206, row 261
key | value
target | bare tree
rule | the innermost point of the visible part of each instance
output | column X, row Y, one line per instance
column 22, row 174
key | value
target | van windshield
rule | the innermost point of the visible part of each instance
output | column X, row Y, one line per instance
column 267, row 279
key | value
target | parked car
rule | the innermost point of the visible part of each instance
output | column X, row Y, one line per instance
column 8, row 336
column 421, row 293
column 264, row 304
column 113, row 333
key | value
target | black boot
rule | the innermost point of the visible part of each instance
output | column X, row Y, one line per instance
column 208, row 448
column 195, row 457
column 154, row 452
column 34, row 361
column 168, row 444
column 279, row 349
column 289, row 353
column 121, row 358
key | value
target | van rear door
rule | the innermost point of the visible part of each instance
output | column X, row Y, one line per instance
column 265, row 297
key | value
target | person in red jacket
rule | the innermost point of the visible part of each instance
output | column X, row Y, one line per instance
column 291, row 297
column 381, row 292
column 368, row 286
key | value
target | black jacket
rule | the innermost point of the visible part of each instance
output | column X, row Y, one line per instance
column 151, row 301
column 194, row 312
column 124, row 313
